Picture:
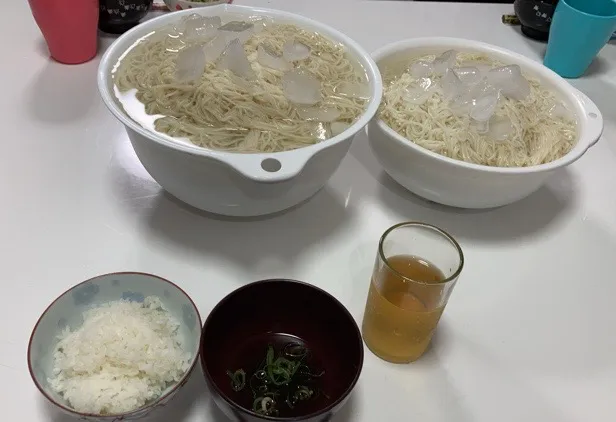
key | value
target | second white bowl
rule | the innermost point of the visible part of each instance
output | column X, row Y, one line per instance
column 465, row 185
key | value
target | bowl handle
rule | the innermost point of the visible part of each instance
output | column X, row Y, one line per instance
column 593, row 119
column 269, row 168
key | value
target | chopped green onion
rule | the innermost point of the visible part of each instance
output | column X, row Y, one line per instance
column 286, row 375
column 269, row 358
column 238, row 379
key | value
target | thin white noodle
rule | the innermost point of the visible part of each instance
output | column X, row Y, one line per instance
column 537, row 137
column 217, row 112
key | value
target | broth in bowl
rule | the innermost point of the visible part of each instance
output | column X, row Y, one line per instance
column 473, row 108
column 241, row 83
column 277, row 375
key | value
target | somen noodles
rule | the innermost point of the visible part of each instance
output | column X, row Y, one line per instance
column 248, row 85
column 471, row 108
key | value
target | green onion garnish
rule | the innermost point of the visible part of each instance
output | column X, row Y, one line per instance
column 238, row 379
column 283, row 378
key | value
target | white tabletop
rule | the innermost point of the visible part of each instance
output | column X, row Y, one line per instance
column 529, row 334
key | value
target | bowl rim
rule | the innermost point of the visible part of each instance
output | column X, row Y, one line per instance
column 539, row 70
column 259, row 283
column 152, row 404
column 199, row 3
column 361, row 54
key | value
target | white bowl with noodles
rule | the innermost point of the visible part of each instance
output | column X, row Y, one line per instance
column 228, row 183
column 467, row 185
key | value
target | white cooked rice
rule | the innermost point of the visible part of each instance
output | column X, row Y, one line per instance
column 123, row 356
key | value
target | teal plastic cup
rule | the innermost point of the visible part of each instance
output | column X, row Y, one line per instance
column 579, row 30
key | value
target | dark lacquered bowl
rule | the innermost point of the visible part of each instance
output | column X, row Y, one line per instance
column 271, row 310
column 118, row 16
column 535, row 17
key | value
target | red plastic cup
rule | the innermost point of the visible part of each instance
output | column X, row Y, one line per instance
column 70, row 28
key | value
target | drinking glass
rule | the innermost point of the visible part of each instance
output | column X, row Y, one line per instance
column 579, row 30
column 416, row 269
column 69, row 28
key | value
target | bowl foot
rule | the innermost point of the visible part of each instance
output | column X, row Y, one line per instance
column 535, row 34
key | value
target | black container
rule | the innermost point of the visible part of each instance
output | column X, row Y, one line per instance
column 273, row 310
column 535, row 17
column 118, row 16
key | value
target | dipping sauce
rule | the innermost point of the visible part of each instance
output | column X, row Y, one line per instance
column 403, row 308
column 277, row 375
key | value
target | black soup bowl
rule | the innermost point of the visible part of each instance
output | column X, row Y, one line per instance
column 256, row 328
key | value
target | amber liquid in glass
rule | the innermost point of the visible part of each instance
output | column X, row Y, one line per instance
column 400, row 315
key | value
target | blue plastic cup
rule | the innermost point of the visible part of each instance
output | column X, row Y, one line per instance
column 579, row 30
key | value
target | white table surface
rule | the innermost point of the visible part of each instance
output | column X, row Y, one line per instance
column 529, row 334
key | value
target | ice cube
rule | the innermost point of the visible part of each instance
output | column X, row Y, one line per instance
column 338, row 127
column 170, row 37
column 192, row 16
column 445, row 61
column 480, row 64
column 419, row 92
column 190, row 63
column 484, row 101
column 460, row 106
column 213, row 20
column 421, row 69
column 451, row 85
column 190, row 22
column 234, row 59
column 502, row 75
column 238, row 30
column 260, row 22
column 293, row 51
column 173, row 41
column 301, row 87
column 320, row 130
column 519, row 91
column 500, row 128
column 558, row 110
column 242, row 83
column 267, row 57
column 461, row 101
column 353, row 90
column 478, row 101
column 321, row 114
column 482, row 127
column 510, row 81
column 237, row 26
column 214, row 48
column 468, row 75
column 200, row 28
column 461, row 96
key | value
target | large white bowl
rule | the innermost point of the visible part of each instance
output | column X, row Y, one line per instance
column 230, row 183
column 465, row 185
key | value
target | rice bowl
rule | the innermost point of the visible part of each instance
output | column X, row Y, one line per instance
column 68, row 313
